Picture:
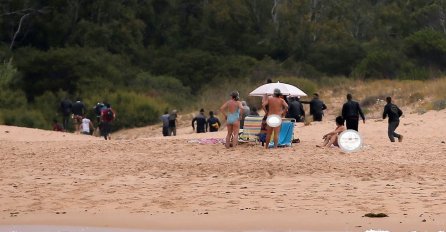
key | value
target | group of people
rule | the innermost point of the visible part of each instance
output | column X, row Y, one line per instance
column 203, row 124
column 234, row 111
column 277, row 105
column 77, row 112
column 170, row 122
column 351, row 113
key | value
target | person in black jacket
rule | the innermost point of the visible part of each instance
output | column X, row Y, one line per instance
column 202, row 126
column 394, row 113
column 351, row 112
column 65, row 109
column 78, row 109
column 295, row 109
column 213, row 123
column 317, row 107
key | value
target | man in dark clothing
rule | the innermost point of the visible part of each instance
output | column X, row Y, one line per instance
column 202, row 126
column 165, row 120
column 351, row 112
column 213, row 123
column 107, row 117
column 65, row 109
column 394, row 114
column 317, row 107
column 173, row 123
column 79, row 111
column 295, row 110
column 78, row 108
column 98, row 109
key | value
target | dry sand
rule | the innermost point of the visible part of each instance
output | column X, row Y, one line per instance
column 141, row 180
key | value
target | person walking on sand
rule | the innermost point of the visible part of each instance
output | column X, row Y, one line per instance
column 79, row 111
column 107, row 117
column 394, row 113
column 351, row 112
column 65, row 109
column 317, row 107
column 165, row 120
column 331, row 138
column 173, row 123
column 232, row 115
column 202, row 126
column 213, row 122
column 276, row 106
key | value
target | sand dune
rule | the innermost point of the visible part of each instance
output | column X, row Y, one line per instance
column 143, row 180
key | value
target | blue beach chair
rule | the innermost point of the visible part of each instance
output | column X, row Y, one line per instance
column 286, row 134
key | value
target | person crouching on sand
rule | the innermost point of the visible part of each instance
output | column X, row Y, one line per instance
column 234, row 111
column 332, row 137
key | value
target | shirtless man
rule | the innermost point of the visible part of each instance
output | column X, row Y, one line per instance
column 276, row 106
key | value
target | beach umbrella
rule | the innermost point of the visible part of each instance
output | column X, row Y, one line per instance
column 285, row 89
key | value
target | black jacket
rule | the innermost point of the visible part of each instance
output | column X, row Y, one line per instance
column 393, row 112
column 316, row 106
column 295, row 110
column 352, row 110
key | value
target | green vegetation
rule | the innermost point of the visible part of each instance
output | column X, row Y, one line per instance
column 145, row 56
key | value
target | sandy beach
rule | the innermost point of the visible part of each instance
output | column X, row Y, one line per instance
column 141, row 180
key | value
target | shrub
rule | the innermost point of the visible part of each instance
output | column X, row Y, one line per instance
column 379, row 64
column 25, row 117
column 427, row 46
column 417, row 96
column 10, row 99
column 371, row 100
column 439, row 104
column 134, row 110
column 306, row 85
column 168, row 88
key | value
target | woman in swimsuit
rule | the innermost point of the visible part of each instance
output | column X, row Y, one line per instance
column 234, row 110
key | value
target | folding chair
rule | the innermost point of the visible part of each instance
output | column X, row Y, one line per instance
column 251, row 129
column 286, row 133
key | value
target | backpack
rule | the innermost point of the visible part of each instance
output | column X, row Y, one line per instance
column 395, row 111
column 109, row 116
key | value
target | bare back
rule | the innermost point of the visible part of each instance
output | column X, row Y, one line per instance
column 276, row 105
column 232, row 106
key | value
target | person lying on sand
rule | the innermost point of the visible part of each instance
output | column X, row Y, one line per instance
column 332, row 137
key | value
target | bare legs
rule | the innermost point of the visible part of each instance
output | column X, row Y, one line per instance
column 269, row 131
column 233, row 130
column 329, row 140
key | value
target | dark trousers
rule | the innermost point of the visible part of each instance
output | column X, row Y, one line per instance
column 165, row 131
column 317, row 117
column 105, row 128
column 65, row 120
column 352, row 123
column 391, row 130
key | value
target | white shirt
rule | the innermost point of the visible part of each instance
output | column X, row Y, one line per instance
column 86, row 125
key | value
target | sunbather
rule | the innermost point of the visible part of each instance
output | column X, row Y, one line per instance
column 331, row 138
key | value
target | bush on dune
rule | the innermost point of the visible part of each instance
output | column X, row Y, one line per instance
column 133, row 109
column 168, row 88
column 25, row 118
